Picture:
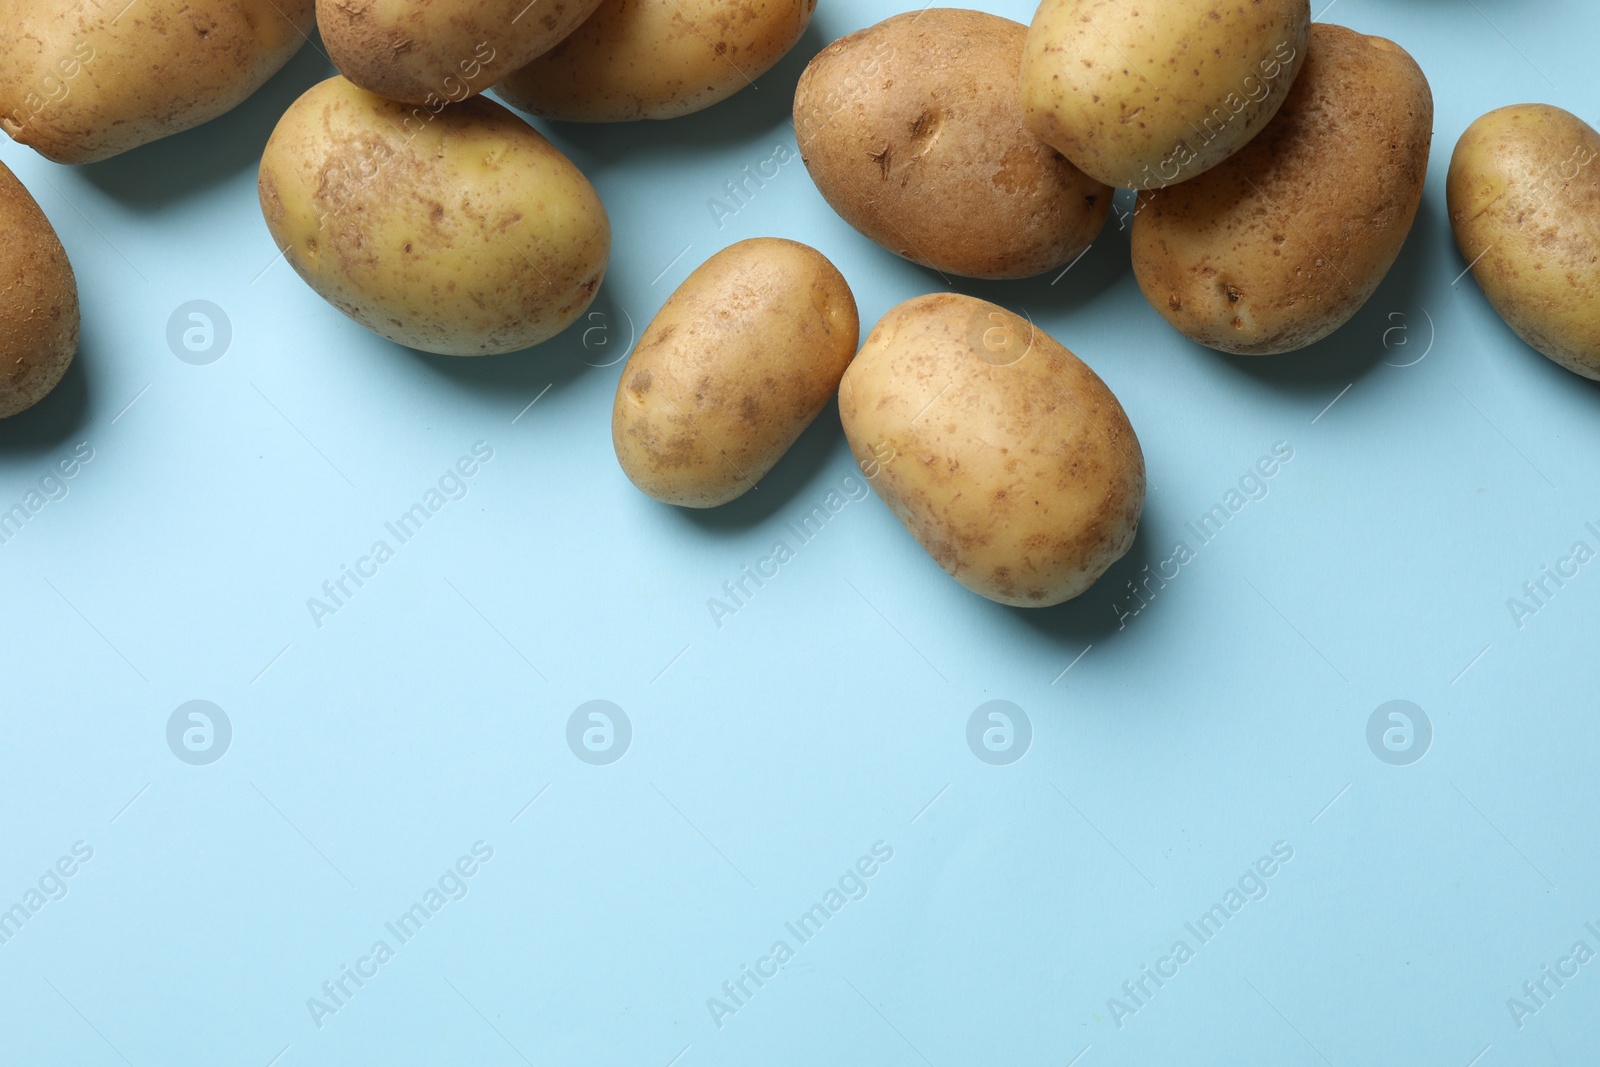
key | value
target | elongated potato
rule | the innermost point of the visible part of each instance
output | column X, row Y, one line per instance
column 1280, row 245
column 1524, row 195
column 1146, row 94
column 441, row 50
column 1006, row 457
column 82, row 82
column 912, row 131
column 38, row 301
column 657, row 59
column 737, row 363
column 463, row 233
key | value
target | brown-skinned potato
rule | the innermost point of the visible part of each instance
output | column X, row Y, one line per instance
column 1281, row 244
column 1524, row 194
column 1142, row 95
column 1004, row 455
column 98, row 79
column 38, row 301
column 464, row 233
column 657, row 59
column 737, row 363
column 912, row 131
column 431, row 51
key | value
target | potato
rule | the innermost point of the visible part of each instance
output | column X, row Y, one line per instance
column 38, row 301
column 441, row 50
column 1146, row 94
column 737, row 363
column 657, row 59
column 1006, row 457
column 463, row 232
column 82, row 82
column 1524, row 195
column 1280, row 245
column 912, row 132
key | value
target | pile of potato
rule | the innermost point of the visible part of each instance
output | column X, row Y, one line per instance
column 1279, row 166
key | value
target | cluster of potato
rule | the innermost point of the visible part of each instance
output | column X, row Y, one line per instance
column 1279, row 166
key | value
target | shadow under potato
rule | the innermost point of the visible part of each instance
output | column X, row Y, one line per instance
column 56, row 420
column 556, row 363
column 157, row 175
column 1092, row 616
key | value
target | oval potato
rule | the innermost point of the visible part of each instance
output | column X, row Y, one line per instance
column 1280, row 245
column 442, row 50
column 1524, row 194
column 38, row 301
column 737, row 363
column 912, row 132
column 1142, row 95
column 463, row 233
column 1007, row 458
column 657, row 59
column 90, row 80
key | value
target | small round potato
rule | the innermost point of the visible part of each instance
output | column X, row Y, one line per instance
column 912, row 132
column 1146, row 94
column 441, row 50
column 1524, row 193
column 657, row 59
column 464, row 232
column 38, row 301
column 738, row 362
column 82, row 82
column 1280, row 245
column 1006, row 457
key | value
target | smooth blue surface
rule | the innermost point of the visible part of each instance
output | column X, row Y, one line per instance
column 831, row 712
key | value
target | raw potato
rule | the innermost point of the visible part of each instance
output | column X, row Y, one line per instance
column 657, row 59
column 1524, row 194
column 1146, row 94
column 1279, row 246
column 38, row 301
column 441, row 50
column 737, row 363
column 82, row 82
column 912, row 131
column 463, row 233
column 1006, row 457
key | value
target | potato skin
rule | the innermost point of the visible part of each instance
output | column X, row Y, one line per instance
column 441, row 50
column 738, row 362
column 99, row 79
column 912, row 131
column 657, row 59
column 1524, row 195
column 463, row 233
column 38, row 301
column 1005, row 455
column 1279, row 246
column 1142, row 95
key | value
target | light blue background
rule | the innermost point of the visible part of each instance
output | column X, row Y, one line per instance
column 830, row 713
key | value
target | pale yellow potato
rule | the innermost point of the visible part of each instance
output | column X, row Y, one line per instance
column 657, row 59
column 80, row 83
column 737, row 363
column 1142, row 95
column 912, row 131
column 1280, row 245
column 1006, row 457
column 38, row 301
column 1524, row 195
column 431, row 51
column 464, row 233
